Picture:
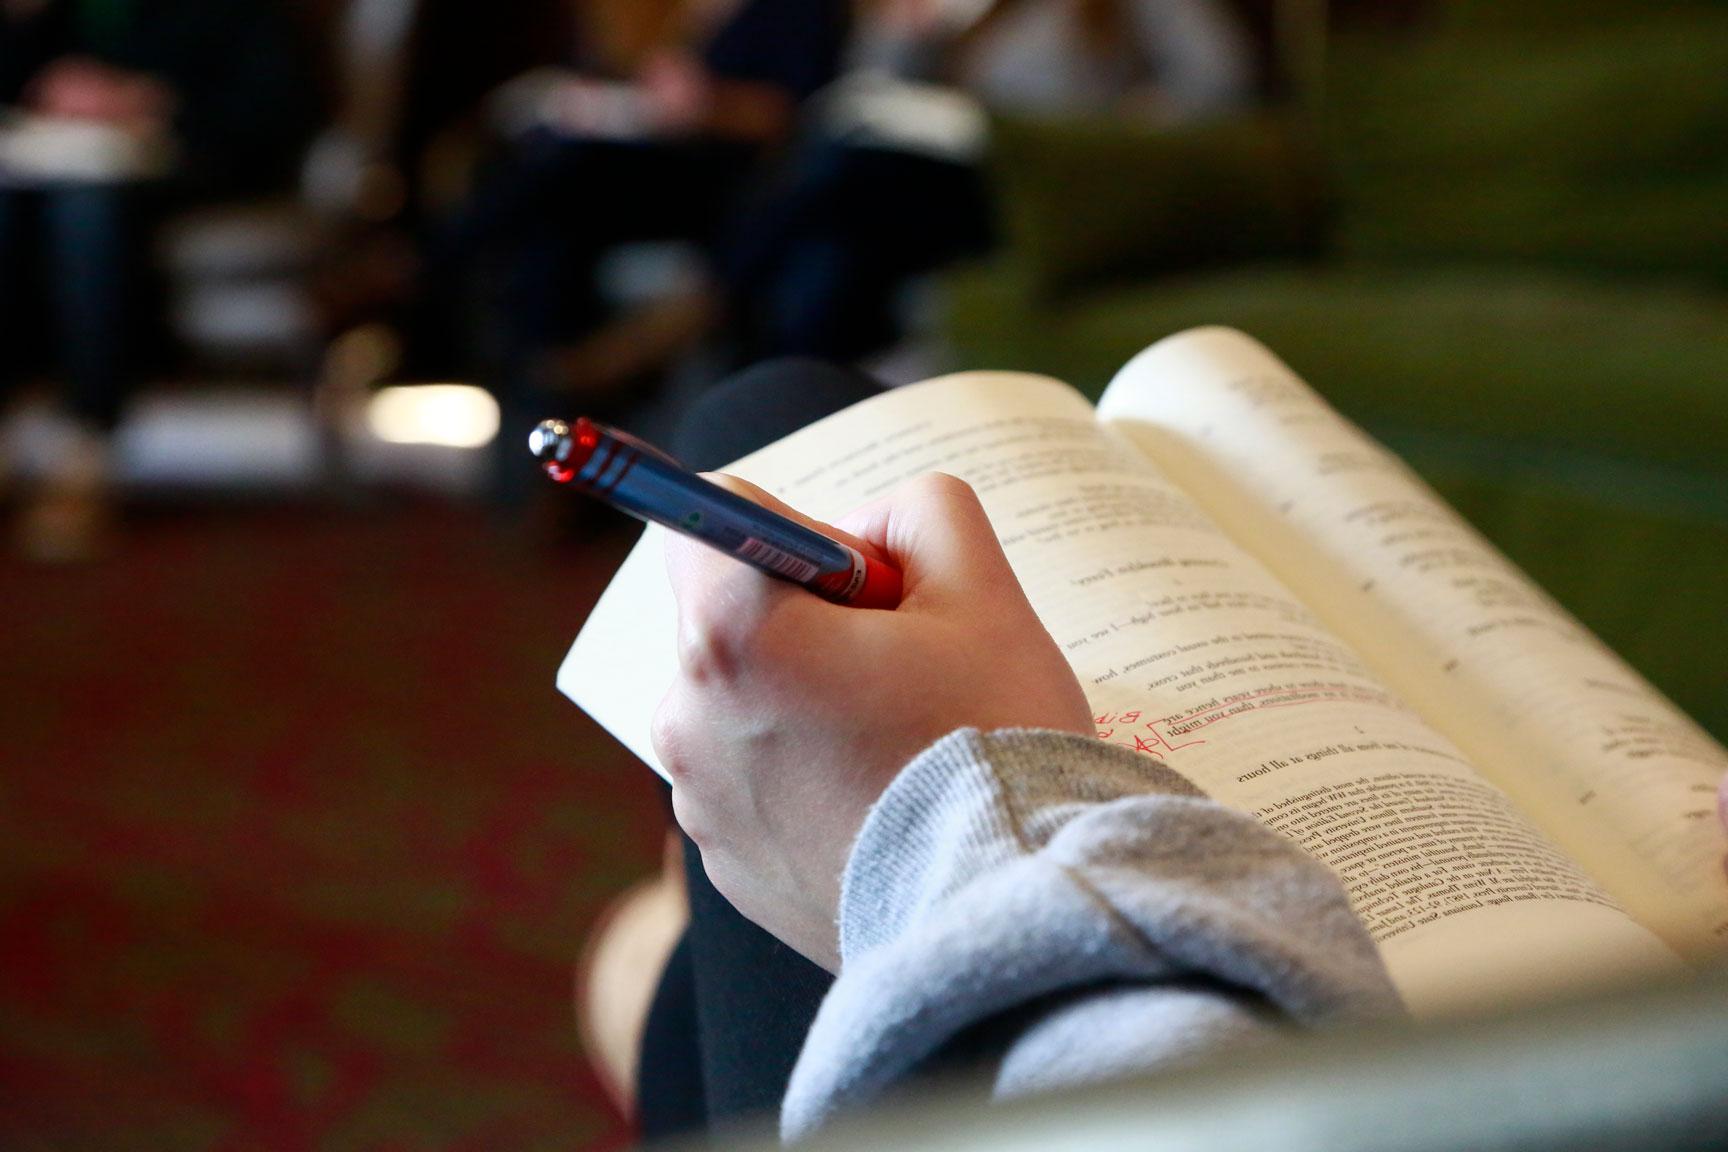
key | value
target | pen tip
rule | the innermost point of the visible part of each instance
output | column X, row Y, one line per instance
column 549, row 440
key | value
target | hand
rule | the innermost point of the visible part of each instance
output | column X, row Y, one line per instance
column 678, row 91
column 571, row 104
column 908, row 17
column 930, row 17
column 790, row 715
column 80, row 88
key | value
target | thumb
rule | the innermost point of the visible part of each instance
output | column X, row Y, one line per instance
column 936, row 531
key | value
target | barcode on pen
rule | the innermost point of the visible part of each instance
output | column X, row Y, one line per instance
column 776, row 561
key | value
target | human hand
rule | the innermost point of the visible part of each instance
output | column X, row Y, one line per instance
column 790, row 715
column 80, row 88
column 677, row 90
column 929, row 17
column 908, row 17
column 570, row 104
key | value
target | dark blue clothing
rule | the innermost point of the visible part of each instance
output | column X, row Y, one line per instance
column 793, row 45
column 815, row 264
column 247, row 103
column 69, row 266
column 536, row 227
column 548, row 214
column 73, row 257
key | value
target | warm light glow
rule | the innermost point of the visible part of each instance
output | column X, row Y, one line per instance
column 452, row 415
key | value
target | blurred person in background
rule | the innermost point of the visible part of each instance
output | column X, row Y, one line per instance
column 115, row 111
column 649, row 134
column 887, row 186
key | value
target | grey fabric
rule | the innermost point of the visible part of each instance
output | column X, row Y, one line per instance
column 1035, row 60
column 1146, row 923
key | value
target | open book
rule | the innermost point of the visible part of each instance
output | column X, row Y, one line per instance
column 1256, row 593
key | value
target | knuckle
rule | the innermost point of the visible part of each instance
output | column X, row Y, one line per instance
column 710, row 651
column 947, row 490
column 942, row 499
column 666, row 731
column 689, row 818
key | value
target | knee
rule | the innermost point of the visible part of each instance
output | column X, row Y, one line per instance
column 762, row 403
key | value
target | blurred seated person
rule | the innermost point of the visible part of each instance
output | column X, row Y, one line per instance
column 654, row 143
column 888, row 186
column 116, row 110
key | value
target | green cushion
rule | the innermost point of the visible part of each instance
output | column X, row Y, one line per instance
column 1525, row 295
column 1604, row 151
column 1633, row 372
column 1500, row 17
column 1092, row 201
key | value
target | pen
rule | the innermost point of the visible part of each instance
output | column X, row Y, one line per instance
column 638, row 478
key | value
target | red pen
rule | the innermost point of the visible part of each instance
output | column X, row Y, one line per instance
column 646, row 483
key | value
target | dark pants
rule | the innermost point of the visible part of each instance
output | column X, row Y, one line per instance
column 70, row 259
column 529, row 242
column 734, row 1003
column 816, row 265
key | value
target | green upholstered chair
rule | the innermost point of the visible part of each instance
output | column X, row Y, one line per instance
column 1504, row 250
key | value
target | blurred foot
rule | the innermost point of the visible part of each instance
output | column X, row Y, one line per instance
column 610, row 362
column 69, row 517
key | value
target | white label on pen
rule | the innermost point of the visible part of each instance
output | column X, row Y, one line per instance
column 780, row 563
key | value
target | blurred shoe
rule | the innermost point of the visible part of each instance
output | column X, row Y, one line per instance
column 611, row 362
column 620, row 968
column 69, row 517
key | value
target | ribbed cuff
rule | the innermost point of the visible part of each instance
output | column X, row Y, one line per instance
column 969, row 802
column 1002, row 869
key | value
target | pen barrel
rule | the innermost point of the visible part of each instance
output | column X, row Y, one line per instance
column 652, row 488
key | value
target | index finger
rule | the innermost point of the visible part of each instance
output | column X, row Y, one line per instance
column 773, row 503
column 710, row 583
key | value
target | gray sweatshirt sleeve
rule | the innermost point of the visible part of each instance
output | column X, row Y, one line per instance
column 1143, row 923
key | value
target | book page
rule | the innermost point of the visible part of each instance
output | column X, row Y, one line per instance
column 1615, row 774
column 1190, row 652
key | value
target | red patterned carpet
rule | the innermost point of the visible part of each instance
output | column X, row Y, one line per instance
column 297, row 842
